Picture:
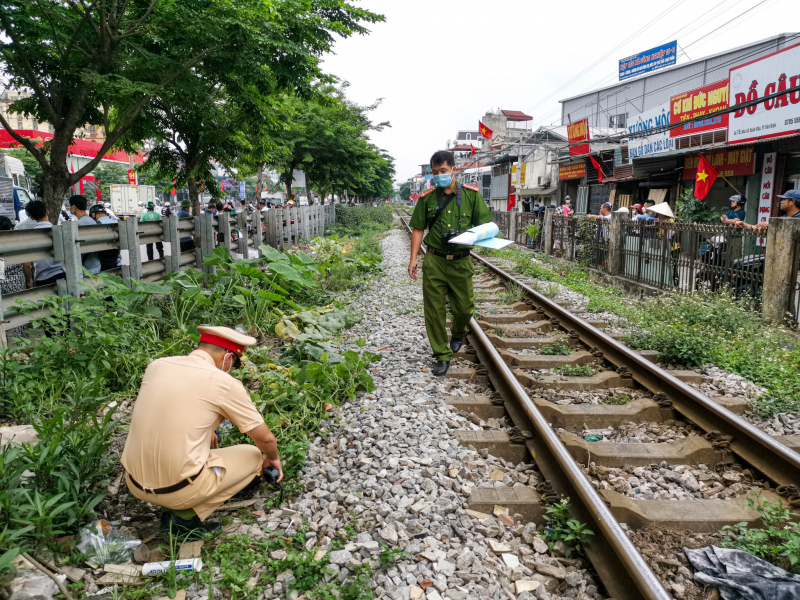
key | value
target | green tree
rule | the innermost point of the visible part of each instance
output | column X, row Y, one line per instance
column 404, row 191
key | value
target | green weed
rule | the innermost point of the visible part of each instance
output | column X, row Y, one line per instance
column 512, row 294
column 575, row 370
column 561, row 528
column 618, row 400
column 555, row 349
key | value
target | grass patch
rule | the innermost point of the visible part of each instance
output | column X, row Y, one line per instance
column 512, row 294
column 345, row 263
column 555, row 349
column 618, row 400
column 575, row 370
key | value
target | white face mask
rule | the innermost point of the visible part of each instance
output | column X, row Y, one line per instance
column 228, row 370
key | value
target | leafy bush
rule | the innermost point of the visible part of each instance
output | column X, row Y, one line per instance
column 346, row 262
column 355, row 220
column 778, row 542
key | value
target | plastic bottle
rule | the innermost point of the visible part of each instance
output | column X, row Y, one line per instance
column 186, row 564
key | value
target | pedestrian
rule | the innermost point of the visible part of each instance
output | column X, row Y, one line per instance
column 47, row 270
column 172, row 456
column 605, row 212
column 663, row 212
column 110, row 213
column 566, row 208
column 109, row 259
column 77, row 206
column 211, row 208
column 648, row 214
column 187, row 243
column 789, row 204
column 736, row 212
column 446, row 210
column 636, row 210
column 150, row 216
column 263, row 206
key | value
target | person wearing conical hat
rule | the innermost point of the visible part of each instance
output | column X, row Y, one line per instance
column 171, row 457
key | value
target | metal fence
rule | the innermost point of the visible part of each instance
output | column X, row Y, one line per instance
column 241, row 234
column 582, row 240
column 795, row 289
column 693, row 256
column 530, row 230
column 502, row 218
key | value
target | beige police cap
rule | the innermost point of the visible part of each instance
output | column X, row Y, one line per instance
column 225, row 337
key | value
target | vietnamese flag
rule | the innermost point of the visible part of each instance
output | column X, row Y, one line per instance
column 512, row 201
column 706, row 176
column 484, row 130
column 596, row 165
column 473, row 149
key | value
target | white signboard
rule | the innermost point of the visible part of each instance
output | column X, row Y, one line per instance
column 651, row 144
column 759, row 78
column 765, row 196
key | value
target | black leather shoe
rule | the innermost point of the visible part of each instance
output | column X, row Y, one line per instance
column 441, row 367
column 192, row 529
column 456, row 343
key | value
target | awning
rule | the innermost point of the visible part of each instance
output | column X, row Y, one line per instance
column 526, row 192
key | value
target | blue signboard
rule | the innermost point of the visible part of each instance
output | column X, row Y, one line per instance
column 241, row 190
column 659, row 57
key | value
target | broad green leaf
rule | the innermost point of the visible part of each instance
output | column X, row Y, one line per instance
column 270, row 296
column 271, row 254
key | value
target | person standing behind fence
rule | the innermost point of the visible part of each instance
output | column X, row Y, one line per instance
column 149, row 216
column 736, row 212
column 187, row 243
column 77, row 206
column 109, row 259
column 47, row 270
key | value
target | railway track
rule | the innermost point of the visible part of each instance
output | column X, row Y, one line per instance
column 565, row 461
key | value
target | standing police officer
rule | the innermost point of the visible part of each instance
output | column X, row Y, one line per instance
column 446, row 210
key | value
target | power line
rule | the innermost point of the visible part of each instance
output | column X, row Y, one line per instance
column 602, row 58
column 724, row 24
column 705, row 39
column 732, row 61
column 697, row 22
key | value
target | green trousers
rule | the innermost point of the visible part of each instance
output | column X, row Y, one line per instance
column 451, row 278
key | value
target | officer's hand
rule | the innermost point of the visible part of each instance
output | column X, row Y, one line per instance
column 412, row 269
column 273, row 463
column 214, row 440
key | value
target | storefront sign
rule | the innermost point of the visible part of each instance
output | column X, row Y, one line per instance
column 698, row 103
column 729, row 163
column 765, row 197
column 763, row 77
column 651, row 144
column 578, row 132
column 572, row 171
column 132, row 177
column 649, row 60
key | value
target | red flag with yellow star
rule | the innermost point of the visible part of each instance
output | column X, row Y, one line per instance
column 706, row 176
column 484, row 131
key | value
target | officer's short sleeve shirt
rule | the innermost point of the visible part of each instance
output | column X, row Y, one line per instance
column 181, row 401
column 473, row 212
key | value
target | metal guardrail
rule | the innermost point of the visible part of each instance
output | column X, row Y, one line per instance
column 69, row 243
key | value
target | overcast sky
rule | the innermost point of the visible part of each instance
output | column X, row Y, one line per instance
column 440, row 65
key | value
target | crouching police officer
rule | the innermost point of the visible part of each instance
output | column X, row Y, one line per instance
column 172, row 457
column 446, row 211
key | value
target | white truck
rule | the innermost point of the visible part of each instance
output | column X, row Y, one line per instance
column 129, row 199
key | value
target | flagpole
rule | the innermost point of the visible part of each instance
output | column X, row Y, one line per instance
column 730, row 184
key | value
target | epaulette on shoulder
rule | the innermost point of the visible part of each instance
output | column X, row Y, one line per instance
column 474, row 188
column 426, row 192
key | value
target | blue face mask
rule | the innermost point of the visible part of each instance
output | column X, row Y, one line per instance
column 443, row 180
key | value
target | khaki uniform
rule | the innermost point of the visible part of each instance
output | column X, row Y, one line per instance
column 448, row 277
column 182, row 400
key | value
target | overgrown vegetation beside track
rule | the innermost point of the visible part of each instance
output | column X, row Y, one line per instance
column 689, row 329
column 69, row 383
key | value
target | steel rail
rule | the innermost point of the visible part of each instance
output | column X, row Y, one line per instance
column 622, row 569
column 778, row 462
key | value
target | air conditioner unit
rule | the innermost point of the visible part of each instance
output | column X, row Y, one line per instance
column 544, row 182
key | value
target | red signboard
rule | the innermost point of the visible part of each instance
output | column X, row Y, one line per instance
column 77, row 148
column 729, row 163
column 578, row 132
column 703, row 101
column 131, row 177
column 572, row 171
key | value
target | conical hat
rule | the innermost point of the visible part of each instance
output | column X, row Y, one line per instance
column 662, row 209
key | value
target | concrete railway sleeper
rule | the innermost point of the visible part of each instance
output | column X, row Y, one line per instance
column 586, row 450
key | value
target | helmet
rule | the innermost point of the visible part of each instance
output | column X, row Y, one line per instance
column 97, row 208
column 107, row 204
column 290, row 203
column 151, row 205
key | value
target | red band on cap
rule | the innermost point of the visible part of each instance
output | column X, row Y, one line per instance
column 210, row 338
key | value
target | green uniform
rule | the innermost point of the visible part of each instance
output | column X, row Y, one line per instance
column 448, row 277
column 149, row 216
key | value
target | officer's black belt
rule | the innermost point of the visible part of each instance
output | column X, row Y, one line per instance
column 453, row 256
column 170, row 488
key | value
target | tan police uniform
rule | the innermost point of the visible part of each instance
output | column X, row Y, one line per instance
column 182, row 400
